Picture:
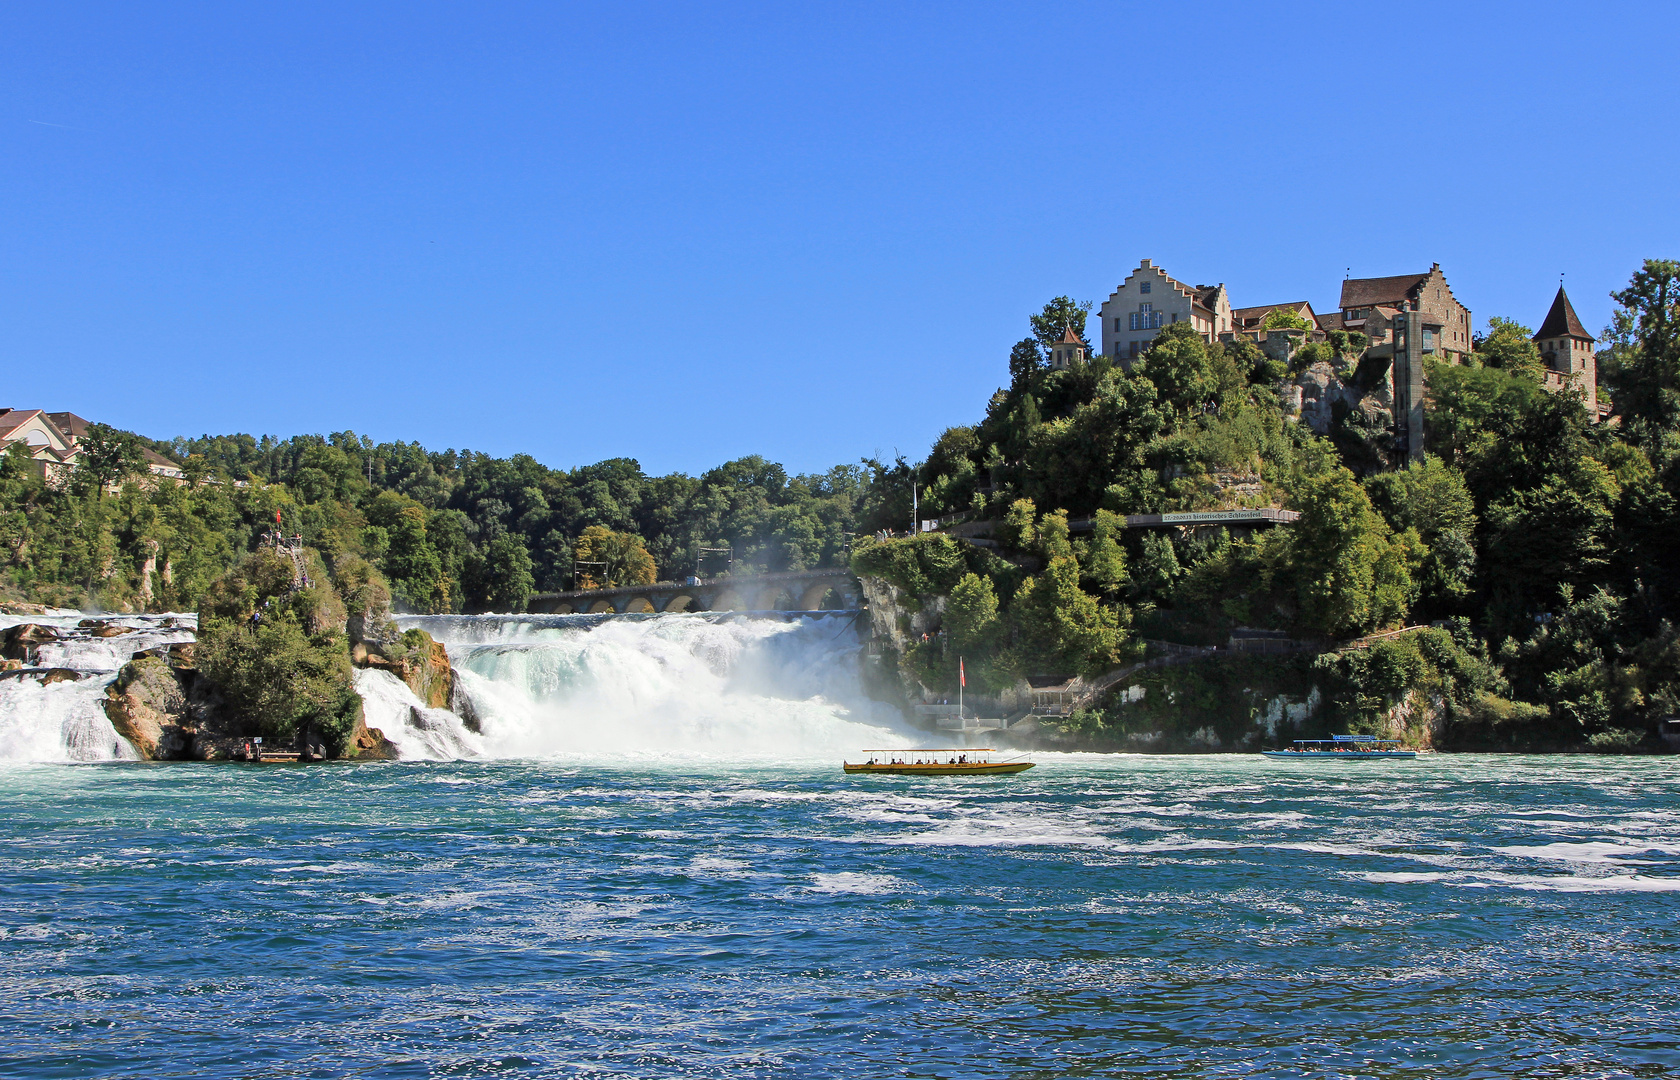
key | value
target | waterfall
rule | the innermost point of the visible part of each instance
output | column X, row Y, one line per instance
column 65, row 720
column 716, row 685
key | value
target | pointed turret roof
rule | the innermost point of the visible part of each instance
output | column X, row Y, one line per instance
column 1561, row 320
column 1070, row 338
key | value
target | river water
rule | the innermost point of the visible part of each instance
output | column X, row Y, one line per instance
column 683, row 914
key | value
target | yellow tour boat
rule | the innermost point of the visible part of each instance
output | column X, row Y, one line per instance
column 962, row 761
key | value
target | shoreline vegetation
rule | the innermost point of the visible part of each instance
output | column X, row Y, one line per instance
column 1532, row 553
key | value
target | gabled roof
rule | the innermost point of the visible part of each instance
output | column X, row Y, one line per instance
column 14, row 418
column 69, row 423
column 1561, row 321
column 1368, row 292
column 1070, row 338
column 1242, row 317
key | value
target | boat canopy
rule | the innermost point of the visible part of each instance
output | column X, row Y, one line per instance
column 1344, row 740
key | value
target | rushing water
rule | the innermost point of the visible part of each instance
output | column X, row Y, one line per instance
column 640, row 859
column 620, row 917
column 66, row 721
column 547, row 685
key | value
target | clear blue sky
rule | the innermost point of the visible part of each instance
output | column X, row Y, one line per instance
column 686, row 233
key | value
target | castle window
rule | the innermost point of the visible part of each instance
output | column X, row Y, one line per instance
column 1143, row 287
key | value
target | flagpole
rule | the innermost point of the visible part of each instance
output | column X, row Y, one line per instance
column 962, row 681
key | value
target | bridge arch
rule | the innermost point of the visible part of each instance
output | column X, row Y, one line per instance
column 731, row 600
column 637, row 605
column 814, row 595
column 680, row 602
column 601, row 607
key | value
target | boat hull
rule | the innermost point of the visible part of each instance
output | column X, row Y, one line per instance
column 966, row 769
column 1338, row 755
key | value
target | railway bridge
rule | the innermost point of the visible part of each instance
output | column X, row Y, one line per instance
column 792, row 590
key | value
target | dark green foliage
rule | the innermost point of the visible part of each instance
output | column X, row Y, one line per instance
column 1058, row 315
column 1509, row 346
column 1642, row 359
column 109, row 456
column 279, row 656
column 923, row 565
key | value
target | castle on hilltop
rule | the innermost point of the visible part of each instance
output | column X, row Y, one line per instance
column 1402, row 319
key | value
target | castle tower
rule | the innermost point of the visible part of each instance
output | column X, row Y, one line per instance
column 1067, row 350
column 1567, row 349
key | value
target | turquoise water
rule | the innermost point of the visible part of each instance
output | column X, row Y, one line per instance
column 1212, row 916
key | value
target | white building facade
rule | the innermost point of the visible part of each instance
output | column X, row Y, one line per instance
column 1149, row 300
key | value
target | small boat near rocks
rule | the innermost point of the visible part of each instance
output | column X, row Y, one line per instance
column 1343, row 748
column 960, row 761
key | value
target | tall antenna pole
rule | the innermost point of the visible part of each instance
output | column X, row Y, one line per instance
column 915, row 506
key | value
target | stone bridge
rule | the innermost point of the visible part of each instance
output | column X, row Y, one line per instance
column 792, row 590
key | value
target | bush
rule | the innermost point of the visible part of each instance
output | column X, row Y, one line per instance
column 1616, row 741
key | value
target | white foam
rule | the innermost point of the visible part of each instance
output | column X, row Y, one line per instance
column 853, row 883
column 1589, row 852
column 683, row 687
column 418, row 732
column 65, row 721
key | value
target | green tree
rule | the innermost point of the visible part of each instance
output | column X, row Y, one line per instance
column 1024, row 362
column 1285, row 319
column 498, row 577
column 971, row 616
column 1105, row 561
column 1509, row 346
column 1352, row 573
column 1053, row 542
column 1642, row 363
column 1431, row 498
column 624, row 555
column 1060, row 628
column 1189, row 377
column 1058, row 315
column 1020, row 529
column 108, row 456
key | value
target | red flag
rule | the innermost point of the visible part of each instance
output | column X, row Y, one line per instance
column 276, row 517
column 962, row 676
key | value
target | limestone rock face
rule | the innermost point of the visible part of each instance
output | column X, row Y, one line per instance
column 15, row 669
column 148, row 707
column 370, row 744
column 415, row 659
column 100, row 628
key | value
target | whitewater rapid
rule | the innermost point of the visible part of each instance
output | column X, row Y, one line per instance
column 641, row 686
column 65, row 720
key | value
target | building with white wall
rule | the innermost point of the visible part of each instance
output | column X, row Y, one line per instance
column 1149, row 300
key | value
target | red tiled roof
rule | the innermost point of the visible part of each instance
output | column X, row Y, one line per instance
column 1070, row 338
column 1561, row 320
